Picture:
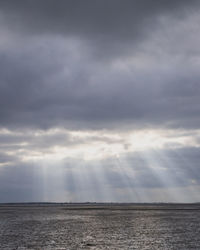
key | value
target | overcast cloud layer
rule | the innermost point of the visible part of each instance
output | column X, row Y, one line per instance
column 79, row 79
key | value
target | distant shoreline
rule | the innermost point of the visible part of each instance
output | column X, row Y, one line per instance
column 105, row 206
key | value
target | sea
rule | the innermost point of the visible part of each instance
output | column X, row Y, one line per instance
column 77, row 226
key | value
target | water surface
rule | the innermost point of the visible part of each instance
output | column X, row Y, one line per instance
column 100, row 227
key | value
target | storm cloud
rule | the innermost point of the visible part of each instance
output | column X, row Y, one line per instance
column 58, row 65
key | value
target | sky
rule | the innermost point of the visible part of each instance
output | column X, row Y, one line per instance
column 99, row 101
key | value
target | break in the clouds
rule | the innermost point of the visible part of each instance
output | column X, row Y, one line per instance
column 99, row 100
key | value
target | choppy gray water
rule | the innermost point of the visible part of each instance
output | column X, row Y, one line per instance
column 94, row 227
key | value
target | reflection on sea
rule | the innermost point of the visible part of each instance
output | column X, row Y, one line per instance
column 100, row 227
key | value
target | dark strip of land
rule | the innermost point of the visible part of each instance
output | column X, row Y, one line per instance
column 107, row 206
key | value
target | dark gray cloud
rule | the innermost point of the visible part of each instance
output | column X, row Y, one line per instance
column 90, row 18
column 4, row 158
column 52, row 75
column 44, row 99
column 109, row 27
